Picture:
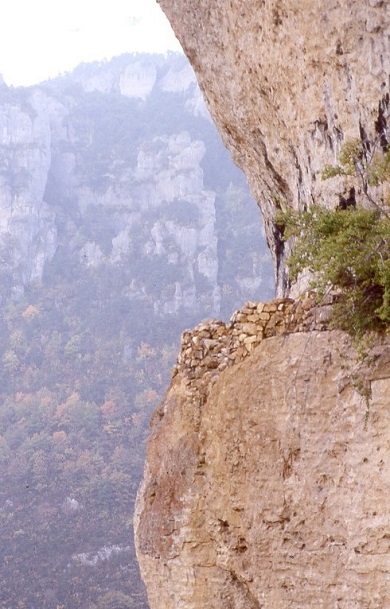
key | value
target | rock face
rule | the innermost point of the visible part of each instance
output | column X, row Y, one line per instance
column 27, row 224
column 267, row 480
column 287, row 83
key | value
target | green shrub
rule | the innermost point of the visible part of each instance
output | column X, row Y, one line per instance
column 348, row 250
column 367, row 165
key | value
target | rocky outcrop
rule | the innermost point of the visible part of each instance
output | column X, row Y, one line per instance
column 287, row 83
column 267, row 482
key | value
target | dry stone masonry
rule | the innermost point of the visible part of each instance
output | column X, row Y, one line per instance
column 212, row 346
column 267, row 485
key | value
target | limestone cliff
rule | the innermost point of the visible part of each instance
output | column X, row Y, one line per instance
column 287, row 82
column 266, row 483
column 28, row 235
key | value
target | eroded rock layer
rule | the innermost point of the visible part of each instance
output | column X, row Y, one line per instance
column 287, row 83
column 267, row 481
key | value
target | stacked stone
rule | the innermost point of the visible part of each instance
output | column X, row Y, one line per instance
column 255, row 321
column 213, row 345
column 307, row 314
column 205, row 348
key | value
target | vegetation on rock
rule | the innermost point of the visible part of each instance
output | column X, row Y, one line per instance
column 368, row 165
column 347, row 248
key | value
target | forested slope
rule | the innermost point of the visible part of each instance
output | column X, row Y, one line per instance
column 123, row 221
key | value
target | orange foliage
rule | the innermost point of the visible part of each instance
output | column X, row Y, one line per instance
column 108, row 408
column 63, row 408
column 59, row 436
column 145, row 350
column 30, row 312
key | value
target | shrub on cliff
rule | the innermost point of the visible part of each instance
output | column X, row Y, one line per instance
column 348, row 248
column 350, row 251
column 367, row 165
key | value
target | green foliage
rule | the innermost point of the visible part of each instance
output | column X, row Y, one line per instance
column 349, row 157
column 379, row 170
column 369, row 165
column 350, row 251
column 114, row 600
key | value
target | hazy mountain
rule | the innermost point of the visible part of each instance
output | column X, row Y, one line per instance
column 122, row 221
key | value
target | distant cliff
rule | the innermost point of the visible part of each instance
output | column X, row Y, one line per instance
column 128, row 144
column 267, row 478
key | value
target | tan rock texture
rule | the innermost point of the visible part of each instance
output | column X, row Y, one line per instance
column 287, row 82
column 267, row 479
column 270, row 489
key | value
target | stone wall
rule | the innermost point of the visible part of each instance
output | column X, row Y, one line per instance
column 213, row 346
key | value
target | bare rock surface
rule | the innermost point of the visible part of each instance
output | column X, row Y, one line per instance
column 268, row 487
column 287, row 83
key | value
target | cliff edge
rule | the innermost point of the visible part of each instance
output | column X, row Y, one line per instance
column 267, row 476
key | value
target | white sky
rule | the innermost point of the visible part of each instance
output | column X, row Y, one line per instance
column 41, row 38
